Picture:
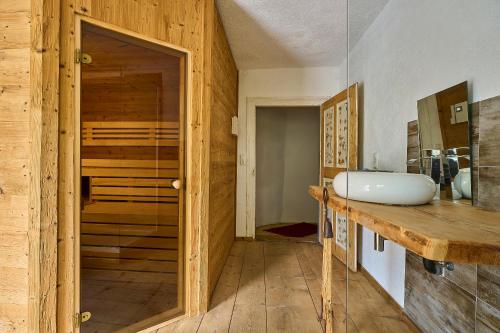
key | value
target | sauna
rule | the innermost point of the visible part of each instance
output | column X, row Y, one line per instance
column 132, row 171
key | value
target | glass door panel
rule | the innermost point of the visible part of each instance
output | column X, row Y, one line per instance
column 426, row 81
column 131, row 221
column 335, row 162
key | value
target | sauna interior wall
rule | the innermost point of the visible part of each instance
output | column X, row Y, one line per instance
column 109, row 96
column 222, row 197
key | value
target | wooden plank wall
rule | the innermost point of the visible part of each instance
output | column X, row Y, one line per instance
column 15, row 113
column 222, row 197
column 488, row 166
column 47, row 137
column 29, row 63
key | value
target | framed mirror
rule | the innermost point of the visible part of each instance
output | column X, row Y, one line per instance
column 444, row 134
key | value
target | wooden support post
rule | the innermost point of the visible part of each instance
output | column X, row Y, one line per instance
column 327, row 288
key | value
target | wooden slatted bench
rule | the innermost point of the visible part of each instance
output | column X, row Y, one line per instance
column 131, row 180
column 130, row 133
column 129, row 226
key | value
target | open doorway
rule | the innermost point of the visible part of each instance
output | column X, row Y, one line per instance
column 287, row 162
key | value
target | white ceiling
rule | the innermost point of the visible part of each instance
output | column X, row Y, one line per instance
column 294, row 33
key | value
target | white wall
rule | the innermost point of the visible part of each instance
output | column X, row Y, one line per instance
column 270, row 165
column 413, row 49
column 285, row 83
column 287, row 150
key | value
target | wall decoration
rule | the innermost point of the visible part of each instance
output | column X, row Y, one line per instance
column 341, row 135
column 328, row 183
column 339, row 152
column 328, row 128
column 341, row 231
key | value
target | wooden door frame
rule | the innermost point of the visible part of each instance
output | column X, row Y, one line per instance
column 69, row 263
column 251, row 108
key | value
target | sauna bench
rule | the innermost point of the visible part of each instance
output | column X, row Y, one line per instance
column 440, row 231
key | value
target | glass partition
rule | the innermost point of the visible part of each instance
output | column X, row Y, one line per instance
column 427, row 149
column 336, row 112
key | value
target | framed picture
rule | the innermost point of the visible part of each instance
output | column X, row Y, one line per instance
column 327, row 182
column 328, row 131
column 341, row 231
column 341, row 134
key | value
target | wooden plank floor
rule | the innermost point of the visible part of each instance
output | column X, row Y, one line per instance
column 276, row 287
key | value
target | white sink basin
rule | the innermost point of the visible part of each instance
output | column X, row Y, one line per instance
column 462, row 183
column 385, row 188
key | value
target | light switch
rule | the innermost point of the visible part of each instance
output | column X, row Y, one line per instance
column 459, row 113
column 376, row 160
column 234, row 126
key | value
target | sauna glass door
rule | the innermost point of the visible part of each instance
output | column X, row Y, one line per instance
column 132, row 176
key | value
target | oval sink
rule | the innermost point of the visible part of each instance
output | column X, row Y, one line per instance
column 462, row 183
column 385, row 188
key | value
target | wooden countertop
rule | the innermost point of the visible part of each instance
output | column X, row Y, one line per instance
column 441, row 230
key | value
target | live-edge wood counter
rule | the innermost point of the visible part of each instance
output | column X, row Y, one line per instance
column 441, row 230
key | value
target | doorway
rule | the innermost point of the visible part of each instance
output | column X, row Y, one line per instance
column 131, row 181
column 287, row 163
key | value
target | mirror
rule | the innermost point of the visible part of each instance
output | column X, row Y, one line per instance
column 445, row 152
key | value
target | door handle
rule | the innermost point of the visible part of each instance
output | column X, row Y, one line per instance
column 176, row 184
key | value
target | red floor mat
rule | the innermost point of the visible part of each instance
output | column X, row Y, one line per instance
column 295, row 230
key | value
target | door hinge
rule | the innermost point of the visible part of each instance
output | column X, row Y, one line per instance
column 82, row 58
column 82, row 317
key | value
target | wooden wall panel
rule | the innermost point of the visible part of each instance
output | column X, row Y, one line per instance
column 448, row 308
column 475, row 150
column 130, row 84
column 487, row 318
column 488, row 196
column 489, row 154
column 28, row 120
column 15, row 116
column 222, row 197
column 37, row 43
column 488, row 285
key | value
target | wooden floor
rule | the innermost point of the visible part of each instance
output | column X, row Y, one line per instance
column 276, row 287
column 262, row 234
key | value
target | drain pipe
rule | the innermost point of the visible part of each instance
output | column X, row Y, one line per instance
column 437, row 267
